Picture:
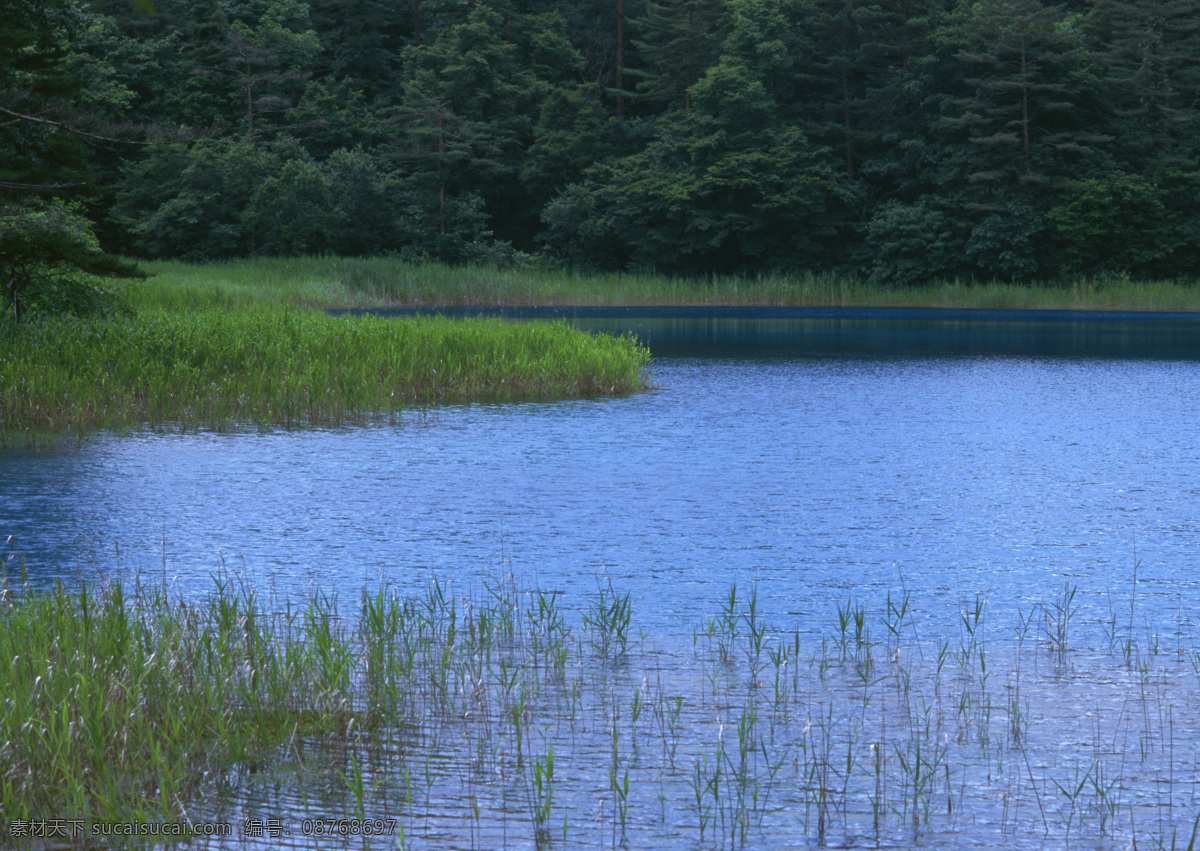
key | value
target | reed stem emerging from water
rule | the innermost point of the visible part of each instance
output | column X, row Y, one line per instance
column 447, row 715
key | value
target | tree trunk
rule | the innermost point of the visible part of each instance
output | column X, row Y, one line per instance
column 441, row 180
column 249, row 102
column 1024, row 100
column 620, row 59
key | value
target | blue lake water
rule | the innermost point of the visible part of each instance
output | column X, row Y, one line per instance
column 979, row 461
column 816, row 453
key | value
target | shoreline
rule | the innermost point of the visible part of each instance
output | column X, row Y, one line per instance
column 380, row 282
column 752, row 311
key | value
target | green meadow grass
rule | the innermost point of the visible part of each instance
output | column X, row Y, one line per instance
column 285, row 367
column 376, row 282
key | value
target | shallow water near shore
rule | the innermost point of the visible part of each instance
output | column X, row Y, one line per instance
column 827, row 461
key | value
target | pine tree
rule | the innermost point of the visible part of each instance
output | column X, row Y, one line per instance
column 38, row 151
column 842, row 65
column 44, row 151
column 1149, row 52
column 361, row 41
column 264, row 50
column 1020, row 119
column 680, row 40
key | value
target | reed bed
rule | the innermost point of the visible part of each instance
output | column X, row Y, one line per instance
column 286, row 367
column 497, row 717
column 378, row 282
column 132, row 707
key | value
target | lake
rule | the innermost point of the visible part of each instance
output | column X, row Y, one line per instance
column 817, row 456
column 838, row 458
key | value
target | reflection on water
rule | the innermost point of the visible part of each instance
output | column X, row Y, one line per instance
column 818, row 457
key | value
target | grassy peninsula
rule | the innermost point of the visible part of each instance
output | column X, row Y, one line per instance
column 213, row 346
column 286, row 367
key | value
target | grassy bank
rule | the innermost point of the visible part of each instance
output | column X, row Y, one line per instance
column 496, row 717
column 375, row 282
column 284, row 367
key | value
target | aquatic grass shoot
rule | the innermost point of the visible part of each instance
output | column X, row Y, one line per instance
column 497, row 716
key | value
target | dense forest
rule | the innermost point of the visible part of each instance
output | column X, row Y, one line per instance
column 906, row 139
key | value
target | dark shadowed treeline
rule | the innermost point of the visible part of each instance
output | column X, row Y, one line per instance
column 908, row 139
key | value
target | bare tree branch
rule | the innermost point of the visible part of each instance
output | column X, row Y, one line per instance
column 40, row 186
column 33, row 119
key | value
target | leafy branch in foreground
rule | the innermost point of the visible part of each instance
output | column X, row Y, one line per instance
column 50, row 242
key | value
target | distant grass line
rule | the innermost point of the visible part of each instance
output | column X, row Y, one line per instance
column 376, row 282
column 286, row 367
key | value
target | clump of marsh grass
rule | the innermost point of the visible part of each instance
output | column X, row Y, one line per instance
column 283, row 368
column 125, row 703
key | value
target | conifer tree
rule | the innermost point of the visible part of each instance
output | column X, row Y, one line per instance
column 361, row 42
column 265, row 51
column 679, row 40
column 1017, row 121
column 44, row 149
column 1149, row 51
